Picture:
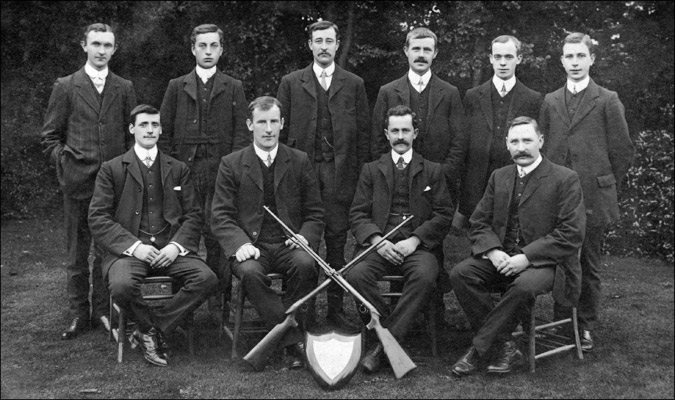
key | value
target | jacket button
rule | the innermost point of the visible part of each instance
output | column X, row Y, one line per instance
column 194, row 122
column 137, row 212
column 255, row 233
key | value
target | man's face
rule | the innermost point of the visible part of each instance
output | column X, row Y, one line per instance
column 577, row 60
column 99, row 46
column 266, row 126
column 324, row 45
column 524, row 143
column 504, row 59
column 207, row 49
column 146, row 130
column 400, row 133
column 420, row 53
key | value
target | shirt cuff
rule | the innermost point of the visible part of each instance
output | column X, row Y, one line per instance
column 130, row 250
column 182, row 251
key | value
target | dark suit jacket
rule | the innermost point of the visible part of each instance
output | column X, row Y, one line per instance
column 116, row 207
column 226, row 119
column 237, row 210
column 78, row 134
column 552, row 221
column 348, row 106
column 430, row 202
column 472, row 148
column 598, row 142
column 443, row 121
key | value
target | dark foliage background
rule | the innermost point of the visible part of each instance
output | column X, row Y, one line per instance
column 265, row 40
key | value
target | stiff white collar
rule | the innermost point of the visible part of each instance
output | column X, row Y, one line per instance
column 262, row 154
column 530, row 167
column 578, row 85
column 142, row 152
column 499, row 83
column 407, row 156
column 205, row 74
column 330, row 70
column 94, row 73
column 414, row 78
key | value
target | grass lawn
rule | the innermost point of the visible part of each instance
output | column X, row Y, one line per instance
column 633, row 356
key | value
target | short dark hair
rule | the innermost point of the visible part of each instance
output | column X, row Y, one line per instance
column 141, row 109
column 205, row 28
column 421, row 33
column 322, row 25
column 98, row 27
column 506, row 39
column 262, row 103
column 578, row 37
column 400, row 111
column 525, row 121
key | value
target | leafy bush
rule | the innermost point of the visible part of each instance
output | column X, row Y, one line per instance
column 646, row 226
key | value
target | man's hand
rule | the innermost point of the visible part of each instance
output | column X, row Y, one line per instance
column 389, row 252
column 407, row 246
column 247, row 251
column 145, row 253
column 290, row 242
column 166, row 256
column 498, row 258
column 514, row 265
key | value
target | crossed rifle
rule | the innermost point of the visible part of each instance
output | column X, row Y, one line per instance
column 399, row 360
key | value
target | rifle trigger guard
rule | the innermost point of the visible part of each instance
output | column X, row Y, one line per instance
column 363, row 309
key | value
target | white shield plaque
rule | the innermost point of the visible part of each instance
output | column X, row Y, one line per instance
column 333, row 357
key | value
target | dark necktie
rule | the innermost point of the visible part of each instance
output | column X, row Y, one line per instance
column 400, row 164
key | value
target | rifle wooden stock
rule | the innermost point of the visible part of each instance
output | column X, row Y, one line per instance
column 399, row 360
column 258, row 356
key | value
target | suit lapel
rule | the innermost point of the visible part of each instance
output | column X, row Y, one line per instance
column 517, row 100
column 403, row 91
column 416, row 166
column 386, row 167
column 129, row 158
column 252, row 167
column 308, row 81
column 588, row 102
column 337, row 83
column 535, row 180
column 190, row 85
column 435, row 96
column 559, row 100
column 280, row 166
column 165, row 169
column 486, row 103
column 112, row 91
column 219, row 85
column 86, row 90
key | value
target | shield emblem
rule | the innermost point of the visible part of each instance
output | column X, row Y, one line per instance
column 333, row 357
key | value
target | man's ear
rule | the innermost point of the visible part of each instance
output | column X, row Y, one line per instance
column 131, row 128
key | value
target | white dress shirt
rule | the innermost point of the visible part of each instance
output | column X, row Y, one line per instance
column 97, row 77
column 499, row 83
column 407, row 156
column 330, row 70
column 579, row 86
column 205, row 74
column 414, row 79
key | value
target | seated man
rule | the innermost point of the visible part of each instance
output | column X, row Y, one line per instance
column 144, row 214
column 530, row 220
column 272, row 174
column 399, row 184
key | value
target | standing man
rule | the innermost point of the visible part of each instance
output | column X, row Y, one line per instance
column 204, row 119
column 587, row 132
column 401, row 183
column 281, row 178
column 489, row 108
column 440, row 115
column 84, row 126
column 327, row 113
column 525, row 231
column 145, row 215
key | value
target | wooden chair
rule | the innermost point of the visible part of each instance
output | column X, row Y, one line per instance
column 393, row 293
column 538, row 334
column 126, row 328
column 235, row 327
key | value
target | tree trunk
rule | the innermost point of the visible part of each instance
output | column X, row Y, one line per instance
column 346, row 41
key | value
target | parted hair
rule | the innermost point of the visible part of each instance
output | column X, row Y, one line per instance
column 141, row 109
column 321, row 25
column 578, row 37
column 400, row 111
column 505, row 39
column 98, row 27
column 525, row 121
column 205, row 28
column 421, row 33
column 262, row 103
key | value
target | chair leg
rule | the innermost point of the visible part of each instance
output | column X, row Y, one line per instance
column 121, row 334
column 432, row 326
column 531, row 338
column 238, row 315
column 577, row 340
column 111, row 338
column 191, row 334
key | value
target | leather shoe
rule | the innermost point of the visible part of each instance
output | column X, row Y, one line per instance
column 76, row 326
column 508, row 357
column 586, row 341
column 162, row 345
column 148, row 344
column 101, row 321
column 467, row 364
column 373, row 358
column 295, row 354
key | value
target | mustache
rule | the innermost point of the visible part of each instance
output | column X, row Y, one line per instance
column 421, row 60
column 522, row 154
column 401, row 141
